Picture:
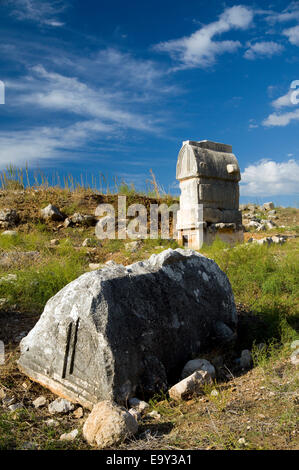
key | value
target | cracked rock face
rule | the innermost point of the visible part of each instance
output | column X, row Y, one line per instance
column 122, row 331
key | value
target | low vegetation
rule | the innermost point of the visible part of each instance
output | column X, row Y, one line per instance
column 256, row 410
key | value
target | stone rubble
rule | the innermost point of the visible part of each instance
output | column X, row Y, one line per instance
column 108, row 424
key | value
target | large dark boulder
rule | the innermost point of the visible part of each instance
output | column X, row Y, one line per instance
column 122, row 331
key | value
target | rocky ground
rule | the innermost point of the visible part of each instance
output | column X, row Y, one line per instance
column 244, row 408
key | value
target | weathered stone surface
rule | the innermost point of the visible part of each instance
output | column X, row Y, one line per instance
column 198, row 364
column 80, row 220
column 60, row 405
column 51, row 213
column 295, row 357
column 39, row 402
column 190, row 385
column 268, row 206
column 246, row 359
column 109, row 424
column 209, row 174
column 9, row 233
column 8, row 217
column 119, row 331
column 133, row 246
column 69, row 436
column 139, row 405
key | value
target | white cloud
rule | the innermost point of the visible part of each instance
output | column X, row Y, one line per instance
column 40, row 11
column 283, row 101
column 269, row 178
column 68, row 94
column 263, row 49
column 200, row 49
column 47, row 143
column 292, row 35
column 288, row 14
column 281, row 120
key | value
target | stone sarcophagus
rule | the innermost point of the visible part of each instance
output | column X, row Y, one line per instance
column 209, row 177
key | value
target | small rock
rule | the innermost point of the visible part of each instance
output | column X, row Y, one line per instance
column 52, row 423
column 109, row 424
column 295, row 357
column 270, row 224
column 94, row 266
column 60, row 405
column 2, row 394
column 7, row 401
column 133, row 246
column 271, row 213
column 268, row 206
column 246, row 359
column 135, row 413
column 198, row 364
column 154, row 414
column 70, row 436
column 9, row 233
column 51, row 213
column 214, row 393
column 15, row 406
column 295, row 344
column 78, row 413
column 192, row 384
column 29, row 446
column 10, row 278
column 139, row 405
column 91, row 242
column 54, row 242
column 39, row 402
column 242, row 442
column 8, row 217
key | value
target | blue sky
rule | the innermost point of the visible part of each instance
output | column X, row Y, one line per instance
column 115, row 87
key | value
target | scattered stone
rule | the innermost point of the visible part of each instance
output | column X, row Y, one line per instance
column 135, row 413
column 9, row 278
column 190, row 385
column 9, row 233
column 242, row 442
column 91, row 242
column 39, row 402
column 271, row 213
column 223, row 333
column 246, row 359
column 154, row 414
column 29, row 446
column 176, row 299
column 95, row 266
column 70, row 436
column 60, row 405
column 270, row 224
column 295, row 357
column 8, row 218
column 261, row 228
column 51, row 213
column 214, row 393
column 3, row 301
column 133, row 246
column 15, row 407
column 54, row 242
column 139, row 405
column 268, row 206
column 78, row 220
column 198, row 365
column 109, row 424
column 52, row 423
column 295, row 344
column 78, row 413
column 7, row 401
